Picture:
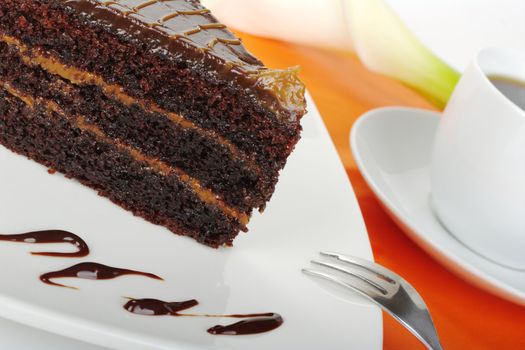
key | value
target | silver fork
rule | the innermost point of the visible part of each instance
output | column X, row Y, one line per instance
column 386, row 289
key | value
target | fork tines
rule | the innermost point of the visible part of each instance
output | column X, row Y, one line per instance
column 383, row 287
column 368, row 278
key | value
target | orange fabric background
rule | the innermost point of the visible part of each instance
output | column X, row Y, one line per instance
column 466, row 317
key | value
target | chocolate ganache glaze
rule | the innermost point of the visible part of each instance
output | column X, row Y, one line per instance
column 252, row 323
column 51, row 236
column 174, row 26
column 91, row 271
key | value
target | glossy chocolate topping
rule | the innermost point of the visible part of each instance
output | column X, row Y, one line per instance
column 91, row 271
column 173, row 27
column 173, row 24
column 51, row 236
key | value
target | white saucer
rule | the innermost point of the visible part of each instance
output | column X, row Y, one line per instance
column 392, row 148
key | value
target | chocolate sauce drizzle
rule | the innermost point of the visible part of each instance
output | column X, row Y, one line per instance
column 51, row 236
column 253, row 323
column 260, row 324
column 91, row 271
column 155, row 307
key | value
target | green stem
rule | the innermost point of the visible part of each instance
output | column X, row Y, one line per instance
column 386, row 45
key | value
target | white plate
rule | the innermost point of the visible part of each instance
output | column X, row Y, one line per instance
column 392, row 148
column 313, row 209
column 16, row 336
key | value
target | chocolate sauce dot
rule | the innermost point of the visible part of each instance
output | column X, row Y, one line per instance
column 254, row 325
column 155, row 307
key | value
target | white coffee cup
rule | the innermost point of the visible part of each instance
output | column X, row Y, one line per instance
column 478, row 162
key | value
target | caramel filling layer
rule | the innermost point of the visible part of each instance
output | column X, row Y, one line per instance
column 204, row 194
column 33, row 57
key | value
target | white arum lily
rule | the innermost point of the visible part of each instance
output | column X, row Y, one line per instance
column 312, row 22
column 386, row 45
column 367, row 27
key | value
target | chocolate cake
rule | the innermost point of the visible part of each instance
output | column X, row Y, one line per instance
column 153, row 103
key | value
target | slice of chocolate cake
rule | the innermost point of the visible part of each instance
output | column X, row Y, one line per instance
column 153, row 103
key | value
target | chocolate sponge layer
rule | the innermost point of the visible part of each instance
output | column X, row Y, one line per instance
column 240, row 182
column 56, row 142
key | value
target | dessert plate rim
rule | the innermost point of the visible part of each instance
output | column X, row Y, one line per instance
column 409, row 205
